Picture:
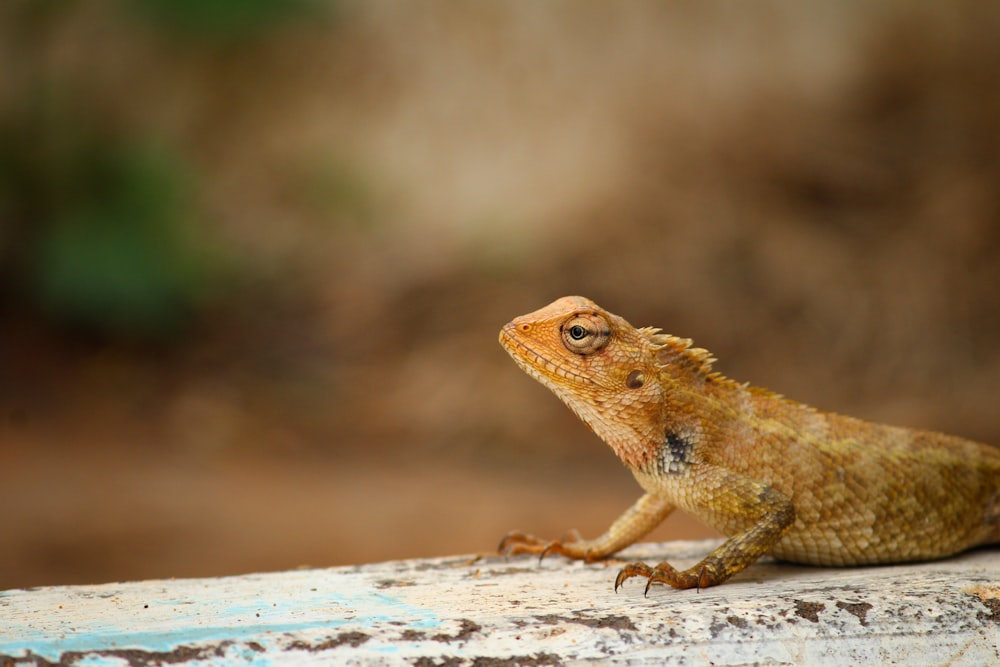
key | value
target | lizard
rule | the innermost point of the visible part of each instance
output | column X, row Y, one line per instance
column 773, row 475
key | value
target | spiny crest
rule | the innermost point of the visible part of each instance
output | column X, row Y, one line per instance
column 679, row 352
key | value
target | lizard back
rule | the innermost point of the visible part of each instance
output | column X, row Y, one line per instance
column 863, row 492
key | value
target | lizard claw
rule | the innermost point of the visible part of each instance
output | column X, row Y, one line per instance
column 515, row 542
column 506, row 542
column 664, row 573
column 632, row 570
column 552, row 546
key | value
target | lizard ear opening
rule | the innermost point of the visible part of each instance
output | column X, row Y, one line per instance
column 585, row 334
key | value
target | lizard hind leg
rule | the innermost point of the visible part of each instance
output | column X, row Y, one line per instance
column 647, row 513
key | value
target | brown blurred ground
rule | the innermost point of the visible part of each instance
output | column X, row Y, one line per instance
column 811, row 192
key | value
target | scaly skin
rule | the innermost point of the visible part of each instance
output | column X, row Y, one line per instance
column 773, row 475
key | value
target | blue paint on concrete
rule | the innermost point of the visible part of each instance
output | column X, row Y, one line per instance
column 204, row 623
column 154, row 642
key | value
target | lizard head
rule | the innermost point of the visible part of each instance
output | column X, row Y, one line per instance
column 603, row 368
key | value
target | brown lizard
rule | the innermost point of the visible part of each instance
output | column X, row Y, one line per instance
column 773, row 475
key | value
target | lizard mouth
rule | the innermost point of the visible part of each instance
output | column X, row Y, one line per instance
column 534, row 363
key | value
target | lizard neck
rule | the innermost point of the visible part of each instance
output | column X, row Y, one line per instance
column 692, row 411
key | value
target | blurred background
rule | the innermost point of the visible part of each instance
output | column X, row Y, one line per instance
column 254, row 255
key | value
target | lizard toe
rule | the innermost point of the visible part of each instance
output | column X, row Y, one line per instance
column 632, row 570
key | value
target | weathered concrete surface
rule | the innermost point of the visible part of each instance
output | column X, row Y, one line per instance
column 488, row 611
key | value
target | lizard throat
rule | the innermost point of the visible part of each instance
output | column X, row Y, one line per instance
column 632, row 447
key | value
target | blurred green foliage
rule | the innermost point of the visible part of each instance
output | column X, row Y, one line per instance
column 100, row 230
column 101, row 233
column 126, row 259
column 223, row 19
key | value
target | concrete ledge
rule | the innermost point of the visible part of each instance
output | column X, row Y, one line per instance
column 469, row 610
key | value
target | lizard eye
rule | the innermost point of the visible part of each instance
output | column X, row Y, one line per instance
column 585, row 334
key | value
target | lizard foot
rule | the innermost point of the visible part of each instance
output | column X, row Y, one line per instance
column 664, row 573
column 516, row 542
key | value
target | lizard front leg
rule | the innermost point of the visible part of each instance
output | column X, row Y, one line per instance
column 635, row 522
column 769, row 512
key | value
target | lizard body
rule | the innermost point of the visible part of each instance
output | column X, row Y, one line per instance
column 773, row 475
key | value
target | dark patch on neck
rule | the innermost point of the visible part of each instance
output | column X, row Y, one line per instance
column 675, row 453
